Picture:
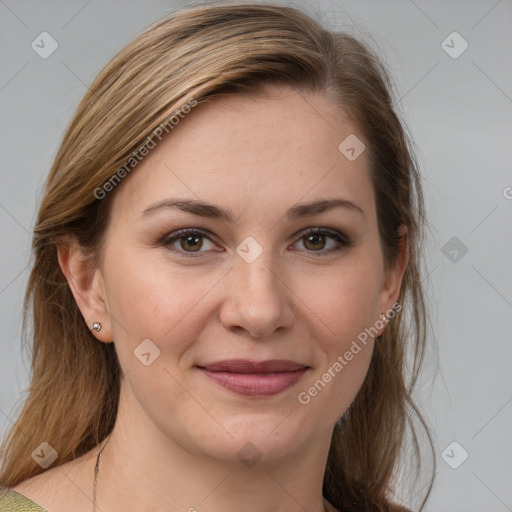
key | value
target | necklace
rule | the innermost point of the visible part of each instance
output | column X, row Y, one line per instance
column 97, row 469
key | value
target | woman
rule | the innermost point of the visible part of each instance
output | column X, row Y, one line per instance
column 227, row 273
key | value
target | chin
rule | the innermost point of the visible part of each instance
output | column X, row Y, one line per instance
column 257, row 440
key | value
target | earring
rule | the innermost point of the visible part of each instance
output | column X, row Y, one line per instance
column 96, row 326
column 384, row 319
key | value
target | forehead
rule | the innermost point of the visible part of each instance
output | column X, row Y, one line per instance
column 252, row 151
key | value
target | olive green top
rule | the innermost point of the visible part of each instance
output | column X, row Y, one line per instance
column 12, row 501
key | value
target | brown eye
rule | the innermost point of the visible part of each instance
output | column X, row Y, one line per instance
column 188, row 242
column 314, row 242
column 194, row 243
column 324, row 241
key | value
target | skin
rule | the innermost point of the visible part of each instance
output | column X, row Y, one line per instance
column 177, row 435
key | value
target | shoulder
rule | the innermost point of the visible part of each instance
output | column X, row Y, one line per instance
column 64, row 488
column 13, row 501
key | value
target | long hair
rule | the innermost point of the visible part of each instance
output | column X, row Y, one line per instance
column 201, row 53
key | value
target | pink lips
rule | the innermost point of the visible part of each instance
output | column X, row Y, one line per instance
column 251, row 378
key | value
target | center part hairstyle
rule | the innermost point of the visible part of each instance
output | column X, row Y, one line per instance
column 198, row 54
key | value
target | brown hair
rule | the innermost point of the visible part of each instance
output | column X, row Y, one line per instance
column 201, row 53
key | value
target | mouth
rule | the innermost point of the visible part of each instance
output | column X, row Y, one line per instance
column 250, row 378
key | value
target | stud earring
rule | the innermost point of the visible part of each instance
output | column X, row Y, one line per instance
column 96, row 326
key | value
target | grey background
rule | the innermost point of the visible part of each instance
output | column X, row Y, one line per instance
column 459, row 113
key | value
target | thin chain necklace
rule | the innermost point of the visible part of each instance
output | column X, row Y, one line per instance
column 95, row 481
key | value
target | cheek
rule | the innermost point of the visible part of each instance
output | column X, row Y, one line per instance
column 346, row 351
column 155, row 301
column 331, row 394
column 343, row 302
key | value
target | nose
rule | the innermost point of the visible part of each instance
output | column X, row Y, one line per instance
column 258, row 299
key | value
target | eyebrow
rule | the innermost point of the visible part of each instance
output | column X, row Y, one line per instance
column 209, row 210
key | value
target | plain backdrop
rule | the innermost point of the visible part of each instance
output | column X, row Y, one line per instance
column 457, row 104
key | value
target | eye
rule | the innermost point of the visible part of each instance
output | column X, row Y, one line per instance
column 188, row 242
column 315, row 240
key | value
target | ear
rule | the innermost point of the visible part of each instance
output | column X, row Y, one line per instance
column 392, row 278
column 87, row 285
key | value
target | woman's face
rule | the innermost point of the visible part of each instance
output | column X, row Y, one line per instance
column 251, row 280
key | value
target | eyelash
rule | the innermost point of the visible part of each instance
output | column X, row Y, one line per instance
column 342, row 240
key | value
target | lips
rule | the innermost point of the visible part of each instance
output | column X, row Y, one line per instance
column 250, row 378
column 245, row 366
